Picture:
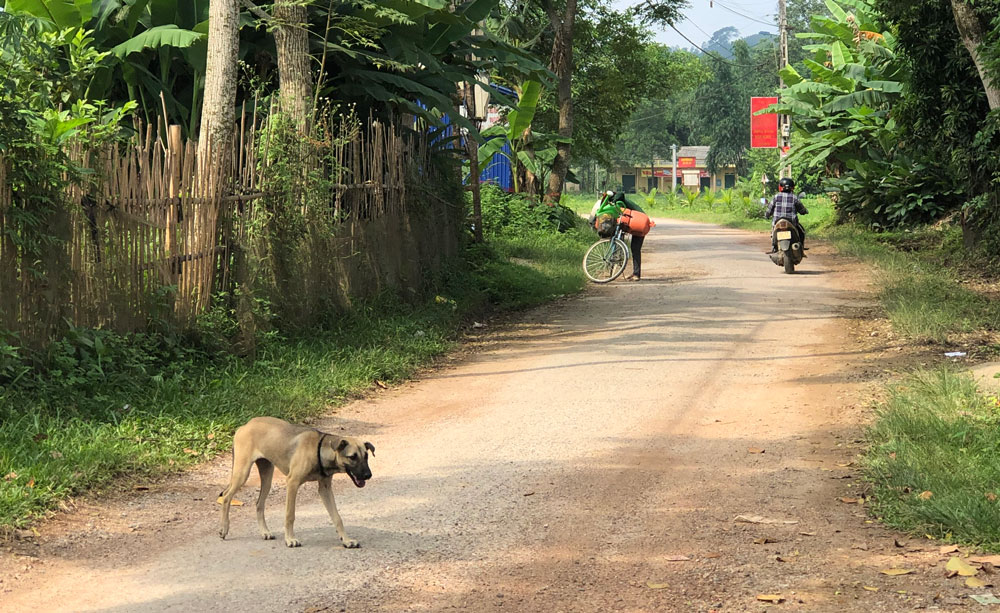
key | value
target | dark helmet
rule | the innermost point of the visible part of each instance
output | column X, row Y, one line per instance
column 786, row 185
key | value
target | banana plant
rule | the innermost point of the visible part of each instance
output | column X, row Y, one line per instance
column 159, row 45
column 535, row 151
column 841, row 110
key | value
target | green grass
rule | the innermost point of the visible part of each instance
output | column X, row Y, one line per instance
column 936, row 433
column 921, row 293
column 91, row 426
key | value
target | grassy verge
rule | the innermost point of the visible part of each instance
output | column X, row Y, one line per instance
column 146, row 405
column 932, row 459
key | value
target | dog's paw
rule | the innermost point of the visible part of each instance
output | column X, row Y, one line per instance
column 267, row 536
column 293, row 542
column 351, row 544
column 222, row 535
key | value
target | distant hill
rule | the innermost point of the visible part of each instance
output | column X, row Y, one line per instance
column 722, row 41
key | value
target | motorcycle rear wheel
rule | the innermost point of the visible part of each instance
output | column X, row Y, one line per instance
column 789, row 263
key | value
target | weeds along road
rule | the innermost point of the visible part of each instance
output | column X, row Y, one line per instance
column 592, row 457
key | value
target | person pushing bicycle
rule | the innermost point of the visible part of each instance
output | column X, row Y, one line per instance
column 621, row 202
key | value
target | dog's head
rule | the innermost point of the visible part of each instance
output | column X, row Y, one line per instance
column 352, row 458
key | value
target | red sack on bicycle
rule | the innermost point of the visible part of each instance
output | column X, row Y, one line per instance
column 637, row 224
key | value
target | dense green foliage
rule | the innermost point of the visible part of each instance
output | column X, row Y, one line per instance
column 892, row 108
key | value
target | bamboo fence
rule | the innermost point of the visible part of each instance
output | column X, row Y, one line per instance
column 147, row 240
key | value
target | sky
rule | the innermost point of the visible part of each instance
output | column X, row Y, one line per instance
column 702, row 19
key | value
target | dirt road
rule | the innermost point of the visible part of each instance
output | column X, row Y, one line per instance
column 594, row 457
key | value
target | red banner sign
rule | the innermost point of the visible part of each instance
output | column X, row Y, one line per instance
column 687, row 162
column 763, row 128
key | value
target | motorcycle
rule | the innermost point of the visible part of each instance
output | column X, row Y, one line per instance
column 785, row 233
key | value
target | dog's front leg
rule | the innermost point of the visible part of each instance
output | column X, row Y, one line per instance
column 326, row 494
column 293, row 490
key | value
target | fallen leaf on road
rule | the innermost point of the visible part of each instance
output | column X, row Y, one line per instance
column 892, row 572
column 763, row 540
column 712, row 556
column 775, row 598
column 994, row 560
column 925, row 495
column 897, row 543
column 961, row 567
column 847, row 500
column 807, row 533
column 677, row 558
column 380, row 384
column 235, row 502
column 755, row 450
column 870, row 588
column 141, row 488
column 844, row 464
column 985, row 599
column 529, row 493
column 975, row 582
column 759, row 519
column 948, row 549
column 656, row 586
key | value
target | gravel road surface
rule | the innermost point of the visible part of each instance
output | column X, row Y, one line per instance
column 595, row 455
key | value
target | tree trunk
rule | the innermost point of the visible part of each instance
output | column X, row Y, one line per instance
column 971, row 29
column 218, row 119
column 529, row 184
column 562, row 65
column 291, row 39
column 472, row 149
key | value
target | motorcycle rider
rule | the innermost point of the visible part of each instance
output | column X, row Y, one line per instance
column 787, row 205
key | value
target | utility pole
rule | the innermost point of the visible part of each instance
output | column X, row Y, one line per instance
column 784, row 124
column 673, row 175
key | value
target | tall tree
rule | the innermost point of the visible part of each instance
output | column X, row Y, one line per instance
column 217, row 115
column 291, row 40
column 973, row 31
column 562, row 65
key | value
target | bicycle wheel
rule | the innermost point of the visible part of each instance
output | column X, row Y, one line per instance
column 605, row 260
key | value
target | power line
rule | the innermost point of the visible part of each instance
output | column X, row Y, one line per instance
column 712, row 54
column 743, row 15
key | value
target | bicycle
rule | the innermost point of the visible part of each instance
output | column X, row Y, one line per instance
column 606, row 259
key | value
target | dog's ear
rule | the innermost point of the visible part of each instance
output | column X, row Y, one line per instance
column 370, row 447
column 343, row 444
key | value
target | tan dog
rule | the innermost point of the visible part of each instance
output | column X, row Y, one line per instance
column 302, row 454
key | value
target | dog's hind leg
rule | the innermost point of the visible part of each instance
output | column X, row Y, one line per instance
column 326, row 495
column 241, row 472
column 266, row 471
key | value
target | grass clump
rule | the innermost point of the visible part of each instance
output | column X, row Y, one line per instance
column 932, row 459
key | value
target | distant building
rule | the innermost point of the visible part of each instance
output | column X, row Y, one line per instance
column 692, row 173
